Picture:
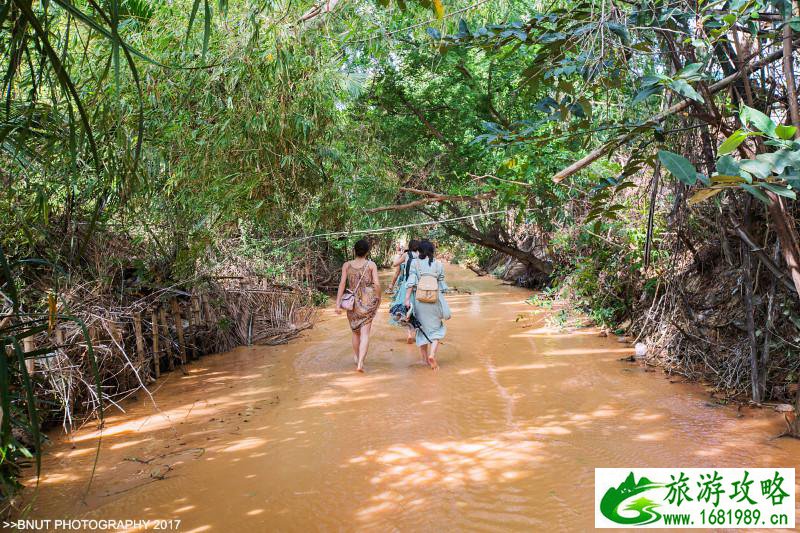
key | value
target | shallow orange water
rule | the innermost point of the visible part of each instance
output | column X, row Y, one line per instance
column 505, row 436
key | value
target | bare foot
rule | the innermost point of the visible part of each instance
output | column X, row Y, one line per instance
column 410, row 340
column 359, row 369
column 432, row 362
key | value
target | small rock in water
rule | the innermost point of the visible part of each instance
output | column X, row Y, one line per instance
column 641, row 349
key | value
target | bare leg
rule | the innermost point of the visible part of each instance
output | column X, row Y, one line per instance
column 423, row 351
column 411, row 335
column 432, row 355
column 363, row 346
column 356, row 344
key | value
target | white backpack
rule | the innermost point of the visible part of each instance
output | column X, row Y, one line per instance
column 427, row 287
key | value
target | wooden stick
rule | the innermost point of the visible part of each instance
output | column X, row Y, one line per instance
column 210, row 317
column 198, row 314
column 191, row 347
column 28, row 345
column 156, row 352
column 165, row 325
column 178, row 320
column 137, row 329
column 116, row 338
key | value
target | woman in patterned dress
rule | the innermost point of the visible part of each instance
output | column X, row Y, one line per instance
column 402, row 263
column 361, row 276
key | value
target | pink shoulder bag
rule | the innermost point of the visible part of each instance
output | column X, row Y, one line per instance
column 349, row 297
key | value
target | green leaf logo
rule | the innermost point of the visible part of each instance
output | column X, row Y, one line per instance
column 614, row 498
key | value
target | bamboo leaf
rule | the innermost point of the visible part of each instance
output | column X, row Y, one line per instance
column 5, row 395
column 10, row 285
column 438, row 8
column 206, row 27
column 33, row 412
column 192, row 16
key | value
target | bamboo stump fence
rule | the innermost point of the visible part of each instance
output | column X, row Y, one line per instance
column 134, row 346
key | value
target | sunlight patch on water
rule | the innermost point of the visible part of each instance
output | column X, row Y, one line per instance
column 248, row 443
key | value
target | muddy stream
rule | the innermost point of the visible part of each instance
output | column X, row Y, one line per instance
column 505, row 436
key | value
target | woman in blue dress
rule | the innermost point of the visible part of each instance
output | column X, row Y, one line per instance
column 431, row 316
column 403, row 262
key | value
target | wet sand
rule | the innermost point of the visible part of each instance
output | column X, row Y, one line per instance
column 505, row 436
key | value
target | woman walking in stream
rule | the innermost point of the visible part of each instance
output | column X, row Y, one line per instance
column 423, row 295
column 403, row 264
column 360, row 295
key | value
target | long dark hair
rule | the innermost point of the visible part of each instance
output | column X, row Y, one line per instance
column 426, row 250
column 413, row 245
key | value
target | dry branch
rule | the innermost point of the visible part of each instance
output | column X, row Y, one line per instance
column 431, row 198
column 319, row 9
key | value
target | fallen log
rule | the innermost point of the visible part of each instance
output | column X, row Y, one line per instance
column 478, row 270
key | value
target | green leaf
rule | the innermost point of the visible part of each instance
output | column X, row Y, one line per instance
column 645, row 93
column 757, row 119
column 758, row 194
column 683, row 88
column 732, row 143
column 727, row 166
column 778, row 161
column 758, row 168
column 785, row 132
column 621, row 31
column 679, row 166
column 780, row 190
column 692, row 70
column 434, row 33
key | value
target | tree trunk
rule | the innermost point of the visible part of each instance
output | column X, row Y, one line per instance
column 788, row 72
column 787, row 235
column 749, row 320
column 526, row 258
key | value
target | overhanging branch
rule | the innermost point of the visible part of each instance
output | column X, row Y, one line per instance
column 724, row 83
column 431, row 198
